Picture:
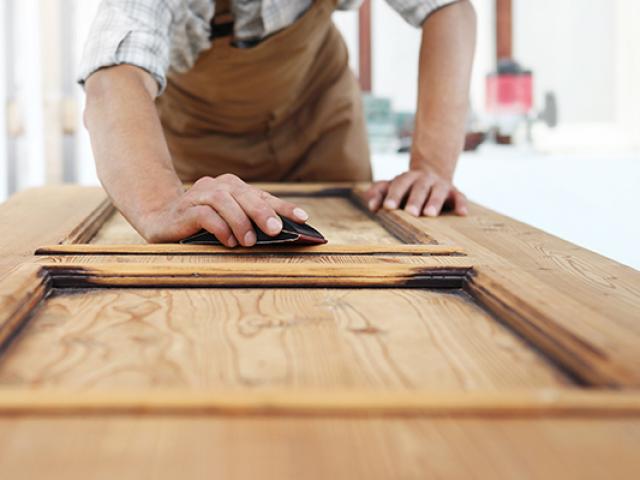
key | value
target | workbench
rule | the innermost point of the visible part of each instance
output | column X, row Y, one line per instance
column 450, row 347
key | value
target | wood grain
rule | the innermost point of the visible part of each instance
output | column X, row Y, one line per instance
column 128, row 447
column 42, row 216
column 297, row 251
column 20, row 292
column 433, row 272
column 339, row 382
column 547, row 317
column 348, row 403
column 256, row 257
column 321, row 338
column 339, row 220
column 586, row 306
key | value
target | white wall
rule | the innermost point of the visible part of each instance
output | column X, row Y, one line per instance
column 29, row 95
column 627, row 74
column 585, row 51
column 3, row 101
column 570, row 45
column 396, row 46
column 85, row 170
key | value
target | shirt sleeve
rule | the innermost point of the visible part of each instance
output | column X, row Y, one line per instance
column 134, row 32
column 416, row 12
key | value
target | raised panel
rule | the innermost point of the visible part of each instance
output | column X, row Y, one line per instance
column 300, row 338
column 337, row 217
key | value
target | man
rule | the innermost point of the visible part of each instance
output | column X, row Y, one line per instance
column 176, row 93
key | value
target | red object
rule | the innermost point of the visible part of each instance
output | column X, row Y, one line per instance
column 509, row 93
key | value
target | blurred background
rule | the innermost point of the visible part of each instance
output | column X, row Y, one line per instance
column 553, row 134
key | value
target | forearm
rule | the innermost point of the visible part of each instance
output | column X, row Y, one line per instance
column 131, row 155
column 446, row 57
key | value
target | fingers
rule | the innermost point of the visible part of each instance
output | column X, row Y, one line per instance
column 258, row 210
column 225, row 205
column 426, row 193
column 418, row 196
column 237, row 204
column 459, row 203
column 437, row 197
column 284, row 208
column 375, row 195
column 208, row 219
column 398, row 190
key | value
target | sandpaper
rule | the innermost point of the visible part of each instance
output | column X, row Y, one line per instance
column 292, row 233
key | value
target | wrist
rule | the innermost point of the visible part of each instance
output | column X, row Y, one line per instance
column 150, row 212
column 432, row 165
column 437, row 155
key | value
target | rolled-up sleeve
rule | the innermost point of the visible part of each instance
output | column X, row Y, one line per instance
column 416, row 12
column 134, row 32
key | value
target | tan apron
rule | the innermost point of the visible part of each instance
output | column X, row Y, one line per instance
column 288, row 109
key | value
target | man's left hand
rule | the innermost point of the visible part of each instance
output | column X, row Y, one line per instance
column 426, row 193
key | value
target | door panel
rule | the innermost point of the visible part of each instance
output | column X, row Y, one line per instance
column 319, row 338
column 200, row 446
column 336, row 217
column 405, row 347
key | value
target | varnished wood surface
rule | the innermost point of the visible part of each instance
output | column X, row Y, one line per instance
column 321, row 338
column 128, row 447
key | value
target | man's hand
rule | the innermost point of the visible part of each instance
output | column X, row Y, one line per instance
column 224, row 206
column 426, row 193
column 446, row 54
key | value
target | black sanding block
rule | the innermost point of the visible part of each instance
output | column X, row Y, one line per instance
column 292, row 233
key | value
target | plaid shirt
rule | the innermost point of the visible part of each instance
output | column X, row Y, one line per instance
column 157, row 35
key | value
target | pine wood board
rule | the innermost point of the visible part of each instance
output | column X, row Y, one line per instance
column 280, row 251
column 337, row 218
column 346, row 403
column 41, row 216
column 297, row 338
column 256, row 257
column 601, row 284
column 577, row 308
column 171, row 447
column 582, row 340
column 433, row 272
column 591, row 299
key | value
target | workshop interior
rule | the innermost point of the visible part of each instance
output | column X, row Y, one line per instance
column 553, row 128
column 319, row 239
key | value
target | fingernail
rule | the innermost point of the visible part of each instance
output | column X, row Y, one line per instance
column 431, row 211
column 250, row 238
column 301, row 214
column 232, row 242
column 390, row 204
column 413, row 210
column 274, row 225
column 373, row 203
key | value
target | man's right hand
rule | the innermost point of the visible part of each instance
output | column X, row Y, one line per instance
column 224, row 206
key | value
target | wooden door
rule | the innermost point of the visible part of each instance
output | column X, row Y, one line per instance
column 403, row 348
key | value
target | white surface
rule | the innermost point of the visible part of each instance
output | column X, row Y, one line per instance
column 3, row 98
column 568, row 57
column 590, row 200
